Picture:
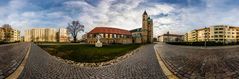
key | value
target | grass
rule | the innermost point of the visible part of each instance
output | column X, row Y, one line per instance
column 89, row 53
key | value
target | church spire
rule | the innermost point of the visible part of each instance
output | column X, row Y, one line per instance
column 145, row 13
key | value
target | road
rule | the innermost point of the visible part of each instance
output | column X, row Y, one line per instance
column 141, row 65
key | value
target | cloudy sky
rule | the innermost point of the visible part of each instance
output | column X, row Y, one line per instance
column 175, row 16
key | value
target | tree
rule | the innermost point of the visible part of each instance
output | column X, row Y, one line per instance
column 74, row 28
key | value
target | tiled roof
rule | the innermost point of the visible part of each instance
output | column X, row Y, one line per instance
column 109, row 30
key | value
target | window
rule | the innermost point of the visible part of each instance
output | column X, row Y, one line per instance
column 106, row 35
column 110, row 35
column 220, row 28
column 102, row 35
column 220, row 35
column 115, row 36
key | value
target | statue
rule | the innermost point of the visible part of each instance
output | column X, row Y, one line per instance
column 98, row 43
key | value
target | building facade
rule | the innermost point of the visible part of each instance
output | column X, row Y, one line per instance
column 170, row 38
column 144, row 34
column 8, row 34
column 218, row 33
column 109, row 36
column 63, row 35
column 1, row 34
column 15, row 35
column 147, row 28
column 40, row 35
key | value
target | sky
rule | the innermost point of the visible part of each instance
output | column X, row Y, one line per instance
column 175, row 16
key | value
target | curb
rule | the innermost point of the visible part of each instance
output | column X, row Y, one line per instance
column 164, row 68
column 20, row 68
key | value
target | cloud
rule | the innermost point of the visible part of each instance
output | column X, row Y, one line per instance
column 175, row 16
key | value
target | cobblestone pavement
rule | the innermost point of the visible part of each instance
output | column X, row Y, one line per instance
column 201, row 63
column 141, row 65
column 11, row 56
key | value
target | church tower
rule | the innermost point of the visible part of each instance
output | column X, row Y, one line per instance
column 147, row 28
column 144, row 27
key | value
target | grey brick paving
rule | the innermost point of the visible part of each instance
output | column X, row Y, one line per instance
column 11, row 56
column 142, row 65
column 201, row 63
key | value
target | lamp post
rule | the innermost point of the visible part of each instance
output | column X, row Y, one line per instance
column 205, row 40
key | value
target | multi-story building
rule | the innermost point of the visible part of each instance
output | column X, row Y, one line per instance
column 1, row 34
column 8, row 34
column 40, row 35
column 185, row 37
column 15, row 35
column 109, row 36
column 170, row 38
column 218, row 33
column 63, row 35
column 192, row 36
column 203, row 34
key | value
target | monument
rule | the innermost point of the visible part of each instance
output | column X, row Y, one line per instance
column 98, row 43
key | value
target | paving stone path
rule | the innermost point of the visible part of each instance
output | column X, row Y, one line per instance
column 141, row 65
column 201, row 63
column 11, row 56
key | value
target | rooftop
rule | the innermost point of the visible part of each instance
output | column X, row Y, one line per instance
column 109, row 30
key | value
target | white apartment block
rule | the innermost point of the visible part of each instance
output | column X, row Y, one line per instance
column 40, row 35
column 46, row 35
column 63, row 35
column 218, row 33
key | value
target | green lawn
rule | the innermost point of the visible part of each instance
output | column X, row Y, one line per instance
column 88, row 53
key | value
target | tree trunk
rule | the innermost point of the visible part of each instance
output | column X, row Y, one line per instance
column 75, row 39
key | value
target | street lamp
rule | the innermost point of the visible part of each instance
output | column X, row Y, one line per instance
column 205, row 41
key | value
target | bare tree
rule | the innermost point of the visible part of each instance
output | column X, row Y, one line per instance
column 74, row 28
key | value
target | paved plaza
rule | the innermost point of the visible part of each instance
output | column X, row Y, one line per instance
column 200, row 62
column 142, row 65
column 183, row 61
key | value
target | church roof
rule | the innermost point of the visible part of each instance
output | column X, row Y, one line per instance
column 109, row 30
column 145, row 13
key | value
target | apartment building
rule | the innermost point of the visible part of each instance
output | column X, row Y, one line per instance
column 203, row 34
column 8, row 34
column 15, row 35
column 46, row 35
column 1, row 34
column 63, row 35
column 192, row 36
column 218, row 33
column 40, row 35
